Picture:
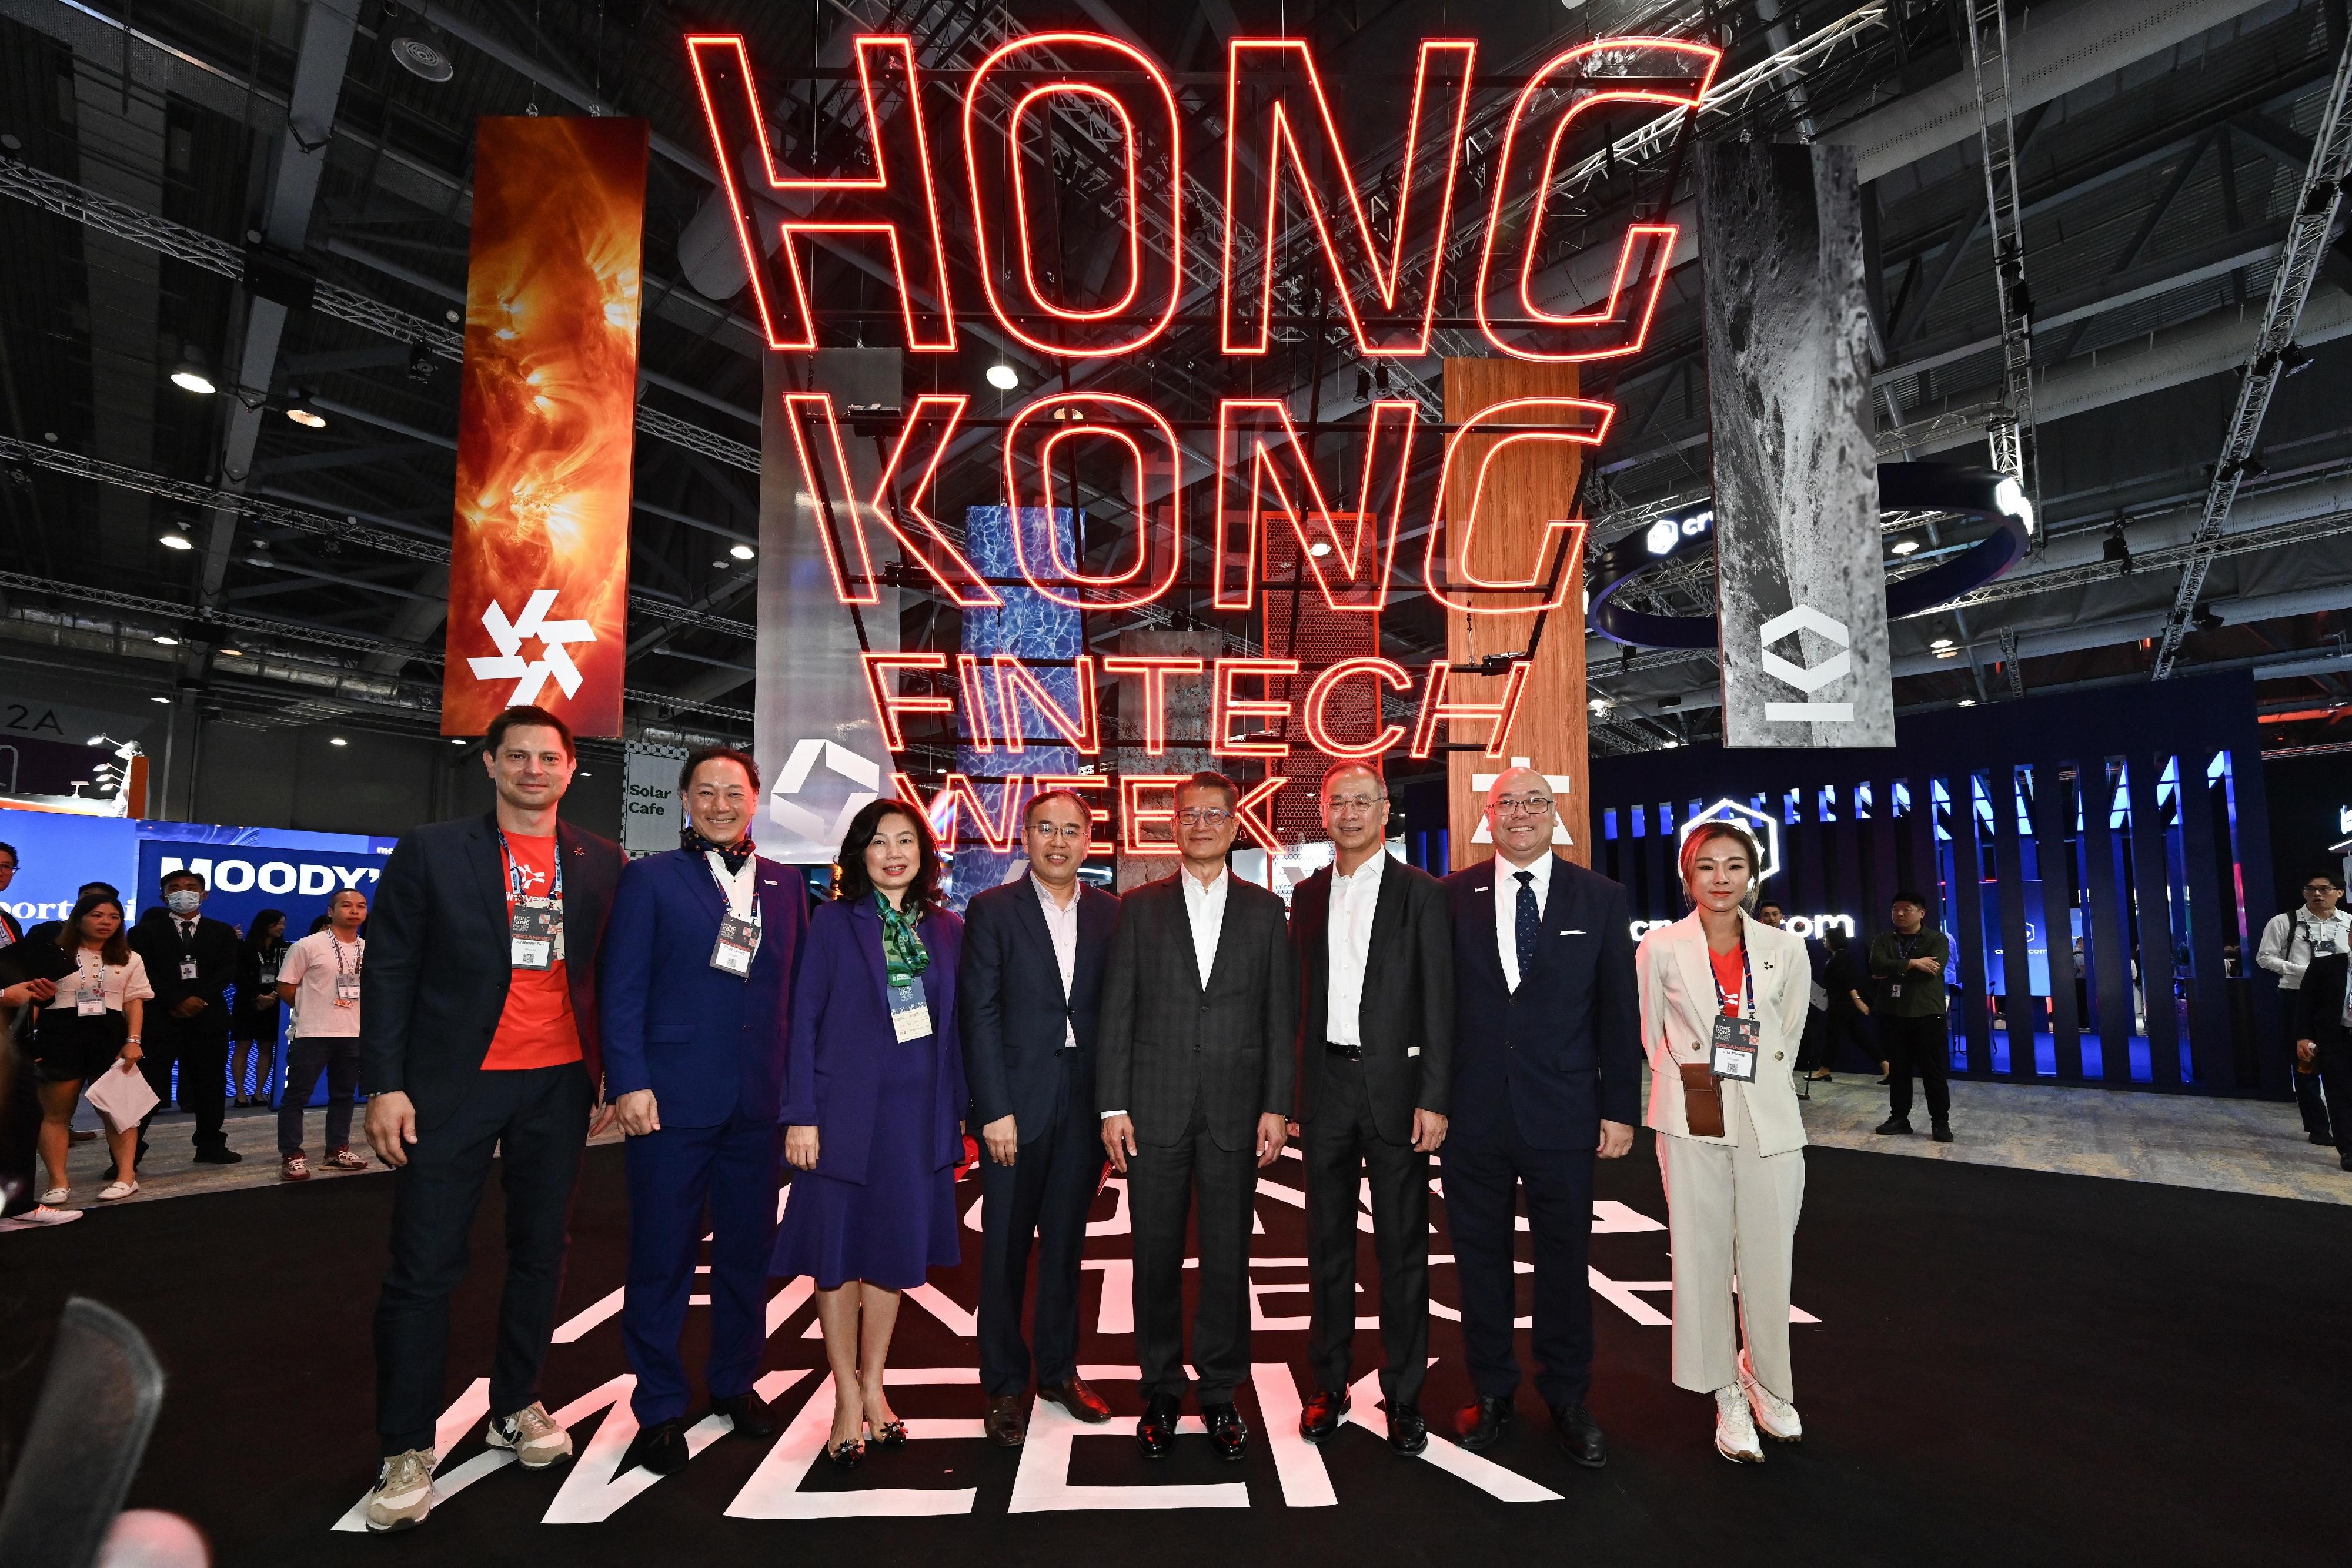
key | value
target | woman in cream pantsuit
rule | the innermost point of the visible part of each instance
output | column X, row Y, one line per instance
column 1731, row 1151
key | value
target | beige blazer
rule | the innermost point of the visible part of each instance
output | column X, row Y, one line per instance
column 1678, row 1011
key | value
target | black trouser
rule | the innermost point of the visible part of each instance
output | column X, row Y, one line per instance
column 1482, row 1186
column 336, row 1055
column 1813, row 1046
column 2309, row 1098
column 537, row 1121
column 20, row 1129
column 1162, row 1179
column 1044, row 1193
column 2334, row 1077
column 199, row 1045
column 1341, row 1148
column 1921, row 1045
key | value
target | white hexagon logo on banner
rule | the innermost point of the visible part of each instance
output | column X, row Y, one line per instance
column 1762, row 825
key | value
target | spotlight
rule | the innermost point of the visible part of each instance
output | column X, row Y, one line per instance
column 1003, row 377
column 1967, row 702
column 305, row 418
column 1381, row 377
column 1940, row 643
column 165, row 641
column 1906, row 546
column 456, row 740
column 165, row 701
column 1363, row 384
column 189, row 374
column 1947, row 652
column 1320, row 548
column 1599, row 705
column 337, row 740
column 175, row 540
column 420, row 54
column 2114, row 550
column 231, row 652
column 742, row 552
column 421, row 368
column 2207, row 619
column 1668, row 744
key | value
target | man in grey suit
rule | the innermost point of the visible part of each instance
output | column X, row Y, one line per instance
column 1193, row 1078
column 1376, row 1050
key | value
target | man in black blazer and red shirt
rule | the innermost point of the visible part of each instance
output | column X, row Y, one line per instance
column 1375, row 1068
column 1030, row 993
column 1546, row 1073
column 477, row 1033
column 1200, row 1030
column 2323, row 1036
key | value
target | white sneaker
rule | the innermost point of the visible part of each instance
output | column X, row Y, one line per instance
column 1775, row 1417
column 1735, row 1428
column 115, row 1190
column 40, row 1214
column 534, row 1435
column 404, row 1491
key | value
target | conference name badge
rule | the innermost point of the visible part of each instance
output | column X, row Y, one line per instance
column 910, row 1017
column 347, row 990
column 187, row 968
column 1735, row 1049
column 89, row 999
column 739, row 942
column 535, row 933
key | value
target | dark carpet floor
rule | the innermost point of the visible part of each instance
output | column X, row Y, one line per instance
column 2008, row 1368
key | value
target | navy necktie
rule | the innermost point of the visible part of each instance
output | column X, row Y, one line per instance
column 1528, row 917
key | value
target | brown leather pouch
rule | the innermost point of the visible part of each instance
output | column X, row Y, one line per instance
column 1702, row 1100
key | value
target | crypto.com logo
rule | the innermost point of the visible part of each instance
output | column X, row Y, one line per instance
column 1807, row 678
column 508, row 636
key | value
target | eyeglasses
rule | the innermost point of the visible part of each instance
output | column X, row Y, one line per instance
column 2315, row 890
column 1522, row 805
column 1057, row 831
column 1203, row 816
column 1354, row 802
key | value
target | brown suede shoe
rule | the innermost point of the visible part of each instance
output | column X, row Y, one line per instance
column 1077, row 1398
column 1008, row 1421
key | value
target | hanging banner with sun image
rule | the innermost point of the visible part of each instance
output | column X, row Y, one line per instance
column 539, row 565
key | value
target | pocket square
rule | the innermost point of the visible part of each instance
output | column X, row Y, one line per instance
column 1413, row 1051
column 1573, row 931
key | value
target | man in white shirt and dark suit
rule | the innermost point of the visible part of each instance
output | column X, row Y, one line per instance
column 1376, row 1050
column 1546, row 1073
column 1031, row 997
column 1193, row 1078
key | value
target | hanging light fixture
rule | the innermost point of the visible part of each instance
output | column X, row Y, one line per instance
column 1003, row 377
column 189, row 375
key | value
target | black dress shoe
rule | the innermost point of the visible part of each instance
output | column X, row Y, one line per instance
column 1227, row 1431
column 218, row 1157
column 1896, row 1124
column 2326, row 1140
column 2345, row 1161
column 660, row 1448
column 1072, row 1396
column 1480, row 1425
column 1942, row 1131
column 1408, row 1433
column 1580, row 1434
column 1007, row 1422
column 1156, row 1433
column 751, row 1413
column 1321, row 1416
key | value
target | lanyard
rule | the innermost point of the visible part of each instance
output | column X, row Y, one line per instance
column 518, row 875
column 1748, row 984
column 750, row 879
column 358, row 957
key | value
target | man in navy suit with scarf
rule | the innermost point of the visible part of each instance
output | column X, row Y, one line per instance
column 1546, row 1073
column 1031, row 1005
column 696, row 973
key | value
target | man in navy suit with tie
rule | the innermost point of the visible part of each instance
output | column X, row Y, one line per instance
column 1546, row 1073
column 1031, row 1005
column 696, row 978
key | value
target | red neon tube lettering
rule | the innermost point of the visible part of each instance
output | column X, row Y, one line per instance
column 1262, row 469
column 1151, row 141
column 1015, row 678
column 1619, row 324
column 956, row 796
column 1134, row 816
column 979, row 734
column 1318, row 730
column 1030, row 442
column 1083, row 784
column 1154, row 670
column 1446, row 564
column 1224, row 706
column 888, row 704
column 846, row 515
column 1245, row 812
column 896, row 204
column 1386, row 315
column 1435, row 709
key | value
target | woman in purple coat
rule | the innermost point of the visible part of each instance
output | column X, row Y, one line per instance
column 874, row 1108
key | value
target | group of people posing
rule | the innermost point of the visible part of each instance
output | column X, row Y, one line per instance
column 524, row 990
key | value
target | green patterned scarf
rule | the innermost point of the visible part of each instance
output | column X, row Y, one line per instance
column 903, row 954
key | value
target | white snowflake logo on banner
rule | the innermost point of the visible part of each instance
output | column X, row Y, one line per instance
column 529, row 676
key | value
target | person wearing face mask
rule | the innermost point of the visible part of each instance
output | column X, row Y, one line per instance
column 694, row 991
column 1546, row 1079
column 874, row 1109
column 1032, row 998
column 1723, row 1010
column 191, row 963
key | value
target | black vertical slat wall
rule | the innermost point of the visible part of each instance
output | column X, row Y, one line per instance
column 2064, row 753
